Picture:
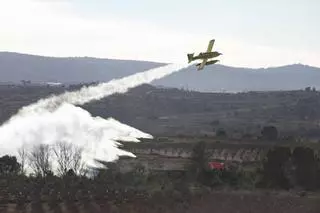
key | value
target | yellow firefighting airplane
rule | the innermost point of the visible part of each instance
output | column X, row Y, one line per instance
column 205, row 56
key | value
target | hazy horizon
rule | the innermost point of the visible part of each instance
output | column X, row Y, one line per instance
column 159, row 62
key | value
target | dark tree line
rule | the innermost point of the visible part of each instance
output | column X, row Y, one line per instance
column 285, row 168
column 9, row 165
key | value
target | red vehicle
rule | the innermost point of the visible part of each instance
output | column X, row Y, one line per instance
column 216, row 165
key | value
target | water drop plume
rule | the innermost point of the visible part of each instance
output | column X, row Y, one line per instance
column 56, row 119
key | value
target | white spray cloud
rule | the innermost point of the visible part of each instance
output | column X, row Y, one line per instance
column 71, row 124
column 91, row 93
column 56, row 119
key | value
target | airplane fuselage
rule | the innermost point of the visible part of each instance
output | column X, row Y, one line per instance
column 206, row 55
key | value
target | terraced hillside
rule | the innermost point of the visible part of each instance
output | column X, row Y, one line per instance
column 163, row 111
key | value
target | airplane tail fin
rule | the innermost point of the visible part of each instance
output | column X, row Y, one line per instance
column 190, row 57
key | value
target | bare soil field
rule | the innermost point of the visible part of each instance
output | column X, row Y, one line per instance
column 220, row 202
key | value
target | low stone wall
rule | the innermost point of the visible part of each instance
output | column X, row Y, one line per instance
column 154, row 163
column 235, row 154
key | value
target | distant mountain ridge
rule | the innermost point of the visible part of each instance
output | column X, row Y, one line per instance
column 15, row 67
column 232, row 79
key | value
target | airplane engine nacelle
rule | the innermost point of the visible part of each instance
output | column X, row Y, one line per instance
column 209, row 62
column 212, row 62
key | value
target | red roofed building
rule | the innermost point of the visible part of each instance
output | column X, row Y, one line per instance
column 216, row 165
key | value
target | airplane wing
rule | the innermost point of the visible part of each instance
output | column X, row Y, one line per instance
column 201, row 66
column 211, row 43
column 210, row 46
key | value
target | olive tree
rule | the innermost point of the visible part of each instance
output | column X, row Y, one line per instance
column 69, row 157
column 40, row 159
column 23, row 156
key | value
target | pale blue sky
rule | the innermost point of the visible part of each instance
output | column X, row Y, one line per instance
column 280, row 22
column 266, row 29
